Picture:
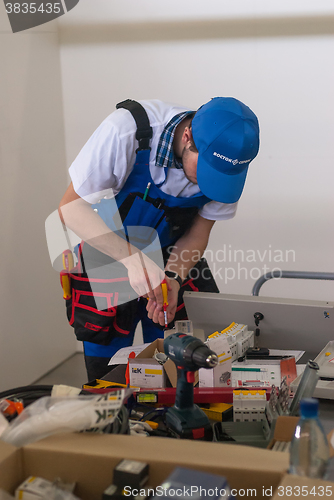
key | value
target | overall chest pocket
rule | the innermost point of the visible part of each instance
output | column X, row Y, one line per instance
column 143, row 220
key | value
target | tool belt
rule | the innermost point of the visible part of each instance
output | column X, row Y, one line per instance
column 101, row 309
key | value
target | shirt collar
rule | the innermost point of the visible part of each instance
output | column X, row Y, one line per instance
column 165, row 153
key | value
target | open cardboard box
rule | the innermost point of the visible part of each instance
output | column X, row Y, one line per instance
column 284, row 429
column 89, row 459
column 168, row 368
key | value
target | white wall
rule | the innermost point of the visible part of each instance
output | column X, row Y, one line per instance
column 113, row 11
column 34, row 335
column 277, row 58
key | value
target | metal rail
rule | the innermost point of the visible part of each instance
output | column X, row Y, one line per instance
column 301, row 275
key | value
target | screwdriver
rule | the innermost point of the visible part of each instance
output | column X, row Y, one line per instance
column 64, row 274
column 68, row 260
column 165, row 299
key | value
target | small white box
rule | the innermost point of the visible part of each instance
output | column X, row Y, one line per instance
column 33, row 488
column 220, row 375
column 146, row 373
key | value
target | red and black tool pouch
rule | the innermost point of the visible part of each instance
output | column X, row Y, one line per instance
column 97, row 316
column 102, row 304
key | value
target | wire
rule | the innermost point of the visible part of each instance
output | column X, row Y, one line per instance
column 28, row 393
column 153, row 412
column 121, row 423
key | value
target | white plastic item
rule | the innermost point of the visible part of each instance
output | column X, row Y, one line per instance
column 37, row 488
column 3, row 425
column 50, row 415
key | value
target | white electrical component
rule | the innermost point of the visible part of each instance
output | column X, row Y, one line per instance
column 249, row 406
column 238, row 337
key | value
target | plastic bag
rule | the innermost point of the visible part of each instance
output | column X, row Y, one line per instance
column 49, row 415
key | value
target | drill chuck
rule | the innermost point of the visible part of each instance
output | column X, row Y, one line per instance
column 203, row 357
column 212, row 360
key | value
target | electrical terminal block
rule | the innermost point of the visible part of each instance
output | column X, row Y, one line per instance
column 238, row 337
column 249, row 405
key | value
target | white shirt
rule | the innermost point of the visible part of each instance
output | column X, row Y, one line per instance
column 106, row 160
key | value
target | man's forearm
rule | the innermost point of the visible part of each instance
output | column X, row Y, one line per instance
column 144, row 274
column 88, row 225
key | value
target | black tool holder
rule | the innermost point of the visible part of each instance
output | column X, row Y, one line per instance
column 256, row 351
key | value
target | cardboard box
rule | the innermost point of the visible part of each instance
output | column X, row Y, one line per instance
column 330, row 438
column 145, row 358
column 146, row 373
column 220, row 375
column 89, row 459
column 284, row 429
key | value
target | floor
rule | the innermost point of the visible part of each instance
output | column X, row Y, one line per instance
column 71, row 372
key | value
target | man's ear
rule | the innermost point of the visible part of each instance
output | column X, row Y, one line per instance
column 187, row 135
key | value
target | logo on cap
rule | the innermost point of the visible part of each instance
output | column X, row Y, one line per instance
column 234, row 162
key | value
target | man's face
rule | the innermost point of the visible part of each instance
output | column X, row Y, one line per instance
column 189, row 163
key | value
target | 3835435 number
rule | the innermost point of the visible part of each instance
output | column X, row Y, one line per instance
column 304, row 491
column 32, row 8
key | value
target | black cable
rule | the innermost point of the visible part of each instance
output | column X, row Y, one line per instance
column 27, row 393
column 155, row 413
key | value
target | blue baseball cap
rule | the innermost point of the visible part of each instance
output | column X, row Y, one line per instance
column 226, row 134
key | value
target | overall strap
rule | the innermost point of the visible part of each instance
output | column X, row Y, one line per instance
column 144, row 130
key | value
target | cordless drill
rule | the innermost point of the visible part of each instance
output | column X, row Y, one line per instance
column 184, row 419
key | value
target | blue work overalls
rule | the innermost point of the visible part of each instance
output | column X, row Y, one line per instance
column 111, row 326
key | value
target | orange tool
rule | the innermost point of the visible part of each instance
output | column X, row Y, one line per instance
column 11, row 408
column 65, row 280
column 132, row 355
column 165, row 299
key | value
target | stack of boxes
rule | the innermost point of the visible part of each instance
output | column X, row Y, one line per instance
column 238, row 337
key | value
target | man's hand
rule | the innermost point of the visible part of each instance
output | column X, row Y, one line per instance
column 155, row 308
